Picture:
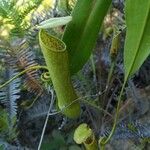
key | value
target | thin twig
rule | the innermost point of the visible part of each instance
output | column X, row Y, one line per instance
column 85, row 101
column 103, row 140
column 46, row 120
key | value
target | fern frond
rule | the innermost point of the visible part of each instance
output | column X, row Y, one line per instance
column 6, row 6
column 23, row 58
column 7, row 146
column 40, row 110
column 10, row 94
column 133, row 130
column 27, row 59
column 29, row 6
column 8, row 97
column 16, row 17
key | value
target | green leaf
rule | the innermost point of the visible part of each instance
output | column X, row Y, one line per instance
column 54, row 22
column 81, row 33
column 2, row 147
column 74, row 147
column 56, row 142
column 137, row 42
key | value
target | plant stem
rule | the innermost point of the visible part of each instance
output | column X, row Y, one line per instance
column 21, row 73
column 103, row 143
column 110, row 74
column 46, row 120
column 94, row 70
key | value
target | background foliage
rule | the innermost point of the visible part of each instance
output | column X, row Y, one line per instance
column 25, row 101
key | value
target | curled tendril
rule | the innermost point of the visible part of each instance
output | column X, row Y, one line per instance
column 45, row 77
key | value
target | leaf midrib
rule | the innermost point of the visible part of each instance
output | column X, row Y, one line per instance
column 138, row 47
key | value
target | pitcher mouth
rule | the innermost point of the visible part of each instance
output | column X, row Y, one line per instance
column 51, row 42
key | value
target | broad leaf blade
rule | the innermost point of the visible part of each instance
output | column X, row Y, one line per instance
column 137, row 42
column 54, row 22
column 81, row 33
